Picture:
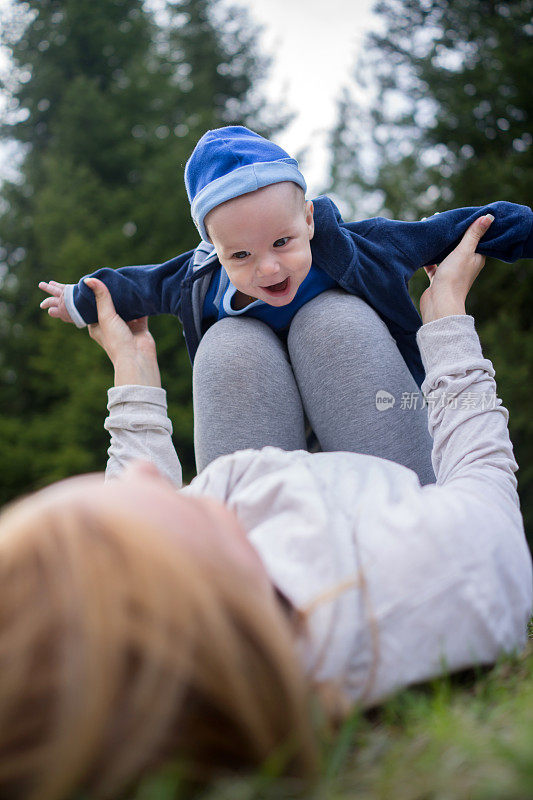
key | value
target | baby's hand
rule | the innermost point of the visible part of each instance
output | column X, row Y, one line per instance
column 56, row 302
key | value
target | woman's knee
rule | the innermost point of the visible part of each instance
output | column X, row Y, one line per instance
column 336, row 319
column 244, row 392
column 236, row 346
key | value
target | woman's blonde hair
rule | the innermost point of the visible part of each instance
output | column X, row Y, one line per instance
column 119, row 651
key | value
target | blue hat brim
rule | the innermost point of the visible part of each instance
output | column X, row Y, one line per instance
column 241, row 181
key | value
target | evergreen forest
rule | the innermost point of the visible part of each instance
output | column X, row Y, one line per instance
column 106, row 100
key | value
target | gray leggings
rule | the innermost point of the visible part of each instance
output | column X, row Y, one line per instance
column 250, row 390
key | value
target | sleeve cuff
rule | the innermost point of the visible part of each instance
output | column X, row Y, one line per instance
column 154, row 395
column 75, row 315
column 446, row 343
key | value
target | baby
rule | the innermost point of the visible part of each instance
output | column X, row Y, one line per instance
column 266, row 251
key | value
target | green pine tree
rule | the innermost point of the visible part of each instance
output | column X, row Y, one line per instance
column 449, row 123
column 106, row 101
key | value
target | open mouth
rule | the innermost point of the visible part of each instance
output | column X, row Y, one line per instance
column 277, row 289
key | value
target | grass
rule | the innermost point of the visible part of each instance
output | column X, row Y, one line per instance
column 464, row 737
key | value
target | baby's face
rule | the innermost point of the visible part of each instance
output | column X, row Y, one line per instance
column 262, row 240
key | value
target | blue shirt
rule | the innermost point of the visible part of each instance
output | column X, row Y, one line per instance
column 217, row 303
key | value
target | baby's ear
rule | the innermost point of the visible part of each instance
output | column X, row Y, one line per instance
column 309, row 218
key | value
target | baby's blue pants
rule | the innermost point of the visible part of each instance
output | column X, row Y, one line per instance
column 341, row 370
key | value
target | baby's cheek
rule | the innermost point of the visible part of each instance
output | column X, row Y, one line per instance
column 240, row 281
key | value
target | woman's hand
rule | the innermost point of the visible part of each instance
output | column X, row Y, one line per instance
column 451, row 280
column 129, row 345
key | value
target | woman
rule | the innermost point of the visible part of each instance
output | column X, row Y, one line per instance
column 140, row 624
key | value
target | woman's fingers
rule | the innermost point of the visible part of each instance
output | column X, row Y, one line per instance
column 463, row 264
column 111, row 332
column 475, row 232
column 451, row 281
column 104, row 302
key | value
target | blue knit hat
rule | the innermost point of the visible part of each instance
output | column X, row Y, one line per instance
column 228, row 162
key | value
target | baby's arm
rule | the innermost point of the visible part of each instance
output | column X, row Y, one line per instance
column 429, row 241
column 136, row 291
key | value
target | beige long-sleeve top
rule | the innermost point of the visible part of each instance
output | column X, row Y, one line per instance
column 400, row 581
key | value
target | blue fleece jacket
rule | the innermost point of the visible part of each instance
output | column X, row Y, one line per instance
column 373, row 258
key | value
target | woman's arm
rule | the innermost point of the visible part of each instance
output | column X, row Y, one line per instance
column 447, row 567
column 463, row 407
column 137, row 420
column 450, row 574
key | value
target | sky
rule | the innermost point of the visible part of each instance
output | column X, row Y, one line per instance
column 314, row 45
